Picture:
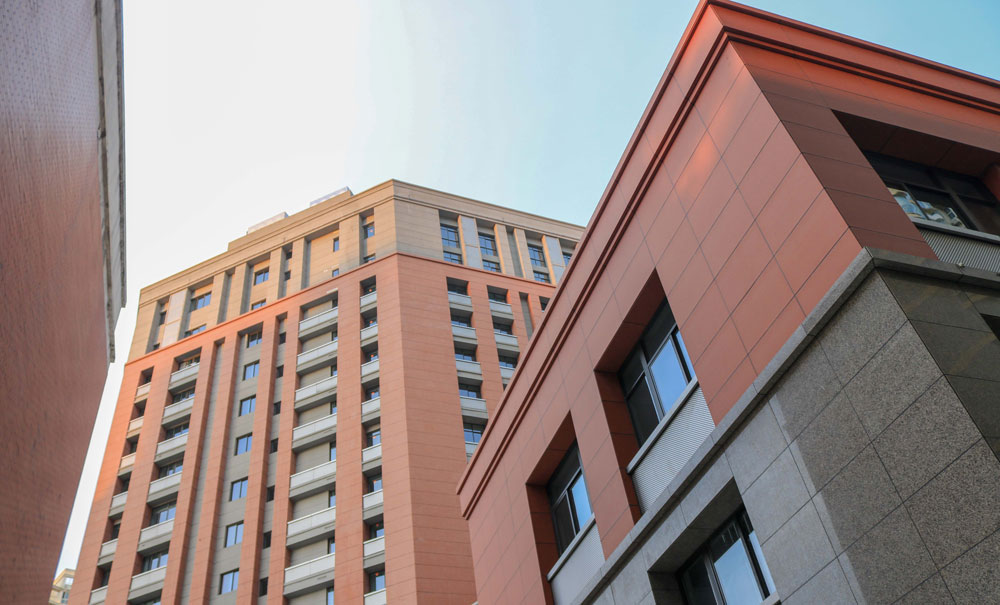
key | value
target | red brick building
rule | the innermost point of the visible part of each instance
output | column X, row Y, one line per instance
column 771, row 369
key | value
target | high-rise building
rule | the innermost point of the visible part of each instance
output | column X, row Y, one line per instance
column 59, row 595
column 772, row 372
column 320, row 383
column 62, row 265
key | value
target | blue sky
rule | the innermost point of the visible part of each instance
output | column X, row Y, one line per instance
column 246, row 109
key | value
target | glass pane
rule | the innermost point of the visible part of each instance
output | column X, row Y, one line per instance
column 734, row 569
column 581, row 503
column 697, row 585
column 668, row 376
column 759, row 555
column 563, row 524
column 640, row 408
column 684, row 352
column 938, row 207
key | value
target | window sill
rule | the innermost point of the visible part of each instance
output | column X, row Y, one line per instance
column 662, row 426
column 568, row 553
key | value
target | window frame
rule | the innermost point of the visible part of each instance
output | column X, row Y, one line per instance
column 234, row 534
column 488, row 250
column 447, row 231
column 240, row 486
column 261, row 276
column 247, row 405
column 561, row 488
column 231, row 577
column 491, row 265
column 248, row 440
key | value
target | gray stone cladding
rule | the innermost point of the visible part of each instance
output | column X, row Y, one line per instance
column 866, row 455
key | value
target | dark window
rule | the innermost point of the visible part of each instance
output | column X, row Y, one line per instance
column 374, row 483
column 542, row 277
column 270, row 494
column 185, row 394
column 335, row 272
column 371, row 393
column 656, row 374
column 254, row 339
column 507, row 360
column 258, row 304
column 376, row 580
column 162, row 514
column 536, row 255
column 274, row 445
column 449, row 237
column 266, row 540
column 115, row 528
column 368, row 258
column 503, row 328
column 376, row 530
column 567, row 256
column 370, row 355
column 261, row 276
column 336, row 244
column 262, row 586
column 728, row 569
column 243, row 444
column 465, row 353
column 197, row 330
column 568, row 498
column 488, row 245
column 176, row 431
column 250, row 370
column 281, row 338
column 234, row 533
column 497, row 296
column 468, row 390
column 276, row 407
column 373, row 437
column 154, row 561
column 371, row 320
column 491, row 266
column 367, row 288
column 457, row 287
column 544, row 302
column 288, row 255
column 201, row 301
column 229, row 581
column 473, row 432
column 279, row 371
column 288, row 275
column 458, row 319
column 248, row 405
column 171, row 469
column 238, row 489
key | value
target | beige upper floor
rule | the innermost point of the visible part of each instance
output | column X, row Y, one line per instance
column 289, row 253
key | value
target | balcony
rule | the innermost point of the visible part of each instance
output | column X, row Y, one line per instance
column 577, row 564
column 506, row 374
column 375, row 598
column 171, row 448
column 147, row 583
column 474, row 409
column 308, row 576
column 501, row 309
column 184, row 376
column 374, row 550
column 316, row 357
column 107, row 553
column 371, row 505
column 98, row 595
column 164, row 488
column 312, row 433
column 311, row 528
column 125, row 466
column 134, row 426
column 178, row 411
column 317, row 324
column 469, row 369
column 507, row 342
column 142, row 391
column 463, row 334
column 316, row 394
column 460, row 301
column 470, row 449
column 117, row 504
column 312, row 481
column 369, row 334
column 369, row 370
column 371, row 457
column 371, row 409
column 155, row 536
column 368, row 301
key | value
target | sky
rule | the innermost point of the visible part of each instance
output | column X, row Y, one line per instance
column 238, row 110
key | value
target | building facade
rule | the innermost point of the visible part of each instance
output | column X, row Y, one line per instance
column 59, row 594
column 233, row 474
column 62, row 265
column 771, row 372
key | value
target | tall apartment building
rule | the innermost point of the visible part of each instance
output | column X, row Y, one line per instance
column 772, row 371
column 62, row 265
column 59, row 594
column 296, row 412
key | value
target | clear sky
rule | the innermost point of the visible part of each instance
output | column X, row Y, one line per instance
column 238, row 110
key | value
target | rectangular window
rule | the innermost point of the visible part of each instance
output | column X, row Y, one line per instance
column 536, row 255
column 201, row 301
column 457, row 319
column 279, row 371
column 542, row 277
column 162, row 514
column 329, row 596
column 190, row 361
column 266, row 540
column 487, row 245
column 336, row 244
column 248, row 405
column 270, row 494
column 229, row 581
column 250, row 370
column 197, row 330
column 276, row 407
column 491, row 266
column 333, row 451
column 254, row 338
column 171, row 469
column 374, row 483
column 458, row 287
column 449, row 237
column 656, row 373
column 176, row 431
column 281, row 338
column 497, row 295
column 376, row 580
column 368, row 230
column 453, row 257
column 274, row 445
column 238, row 489
column 566, row 258
column 503, row 328
column 373, row 437
column 728, row 568
column 368, row 258
column 154, row 561
column 234, row 533
column 371, row 393
column 331, row 545
column 469, row 390
column 507, row 360
column 258, row 304
column 376, row 530
column 465, row 353
column 568, row 499
column 544, row 302
column 243, row 444
column 262, row 587
column 288, row 275
column 183, row 395
column 261, row 276
column 335, row 272
column 473, row 432
column 332, row 498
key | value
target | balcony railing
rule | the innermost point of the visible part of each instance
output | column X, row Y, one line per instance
column 164, row 487
column 506, row 341
column 134, row 426
column 147, row 583
column 142, row 391
column 369, row 370
column 155, row 535
column 375, row 598
column 371, row 455
column 178, row 411
column 118, row 504
column 107, row 553
column 369, row 334
column 316, row 394
column 371, row 409
column 473, row 408
column 459, row 301
column 307, row 576
column 469, row 369
column 470, row 449
column 98, row 595
column 313, row 480
column 169, row 448
column 318, row 323
column 506, row 374
column 184, row 376
column 125, row 466
column 464, row 334
column 371, row 500
column 316, row 357
column 368, row 301
column 311, row 527
column 311, row 433
column 374, row 547
column 501, row 309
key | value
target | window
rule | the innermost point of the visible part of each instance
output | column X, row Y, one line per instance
column 234, row 533
column 274, row 445
column 261, row 276
column 491, row 266
column 254, row 338
column 243, row 444
column 197, row 330
column 335, row 272
column 449, row 237
column 536, row 255
column 468, row 390
column 331, row 545
column 336, row 244
column 333, row 451
column 939, row 196
column 374, row 483
column 238, row 489
column 487, row 245
column 262, row 587
column 499, row 296
column 453, row 257
column 729, row 568
column 258, row 304
column 368, row 230
column 270, row 494
column 473, row 432
column 458, row 287
column 656, row 373
column 329, row 596
column 171, row 469
column 115, row 529
column 370, row 355
column 542, row 277
column 288, row 255
column 250, row 370
column 457, row 319
column 376, row 530
column 228, row 581
column 464, row 353
column 281, row 338
column 567, row 493
column 154, row 561
column 368, row 288
column 373, row 437
column 567, row 256
column 288, row 275
column 190, row 361
column 544, row 302
column 276, row 407
column 176, row 431
column 368, row 258
column 162, row 514
column 266, row 540
column 332, row 498
column 201, row 301
column 503, row 328
column 376, row 580
column 507, row 360
column 183, row 395
column 279, row 371
column 248, row 405
column 371, row 393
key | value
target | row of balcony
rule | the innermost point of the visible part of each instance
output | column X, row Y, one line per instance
column 316, row 573
column 463, row 302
